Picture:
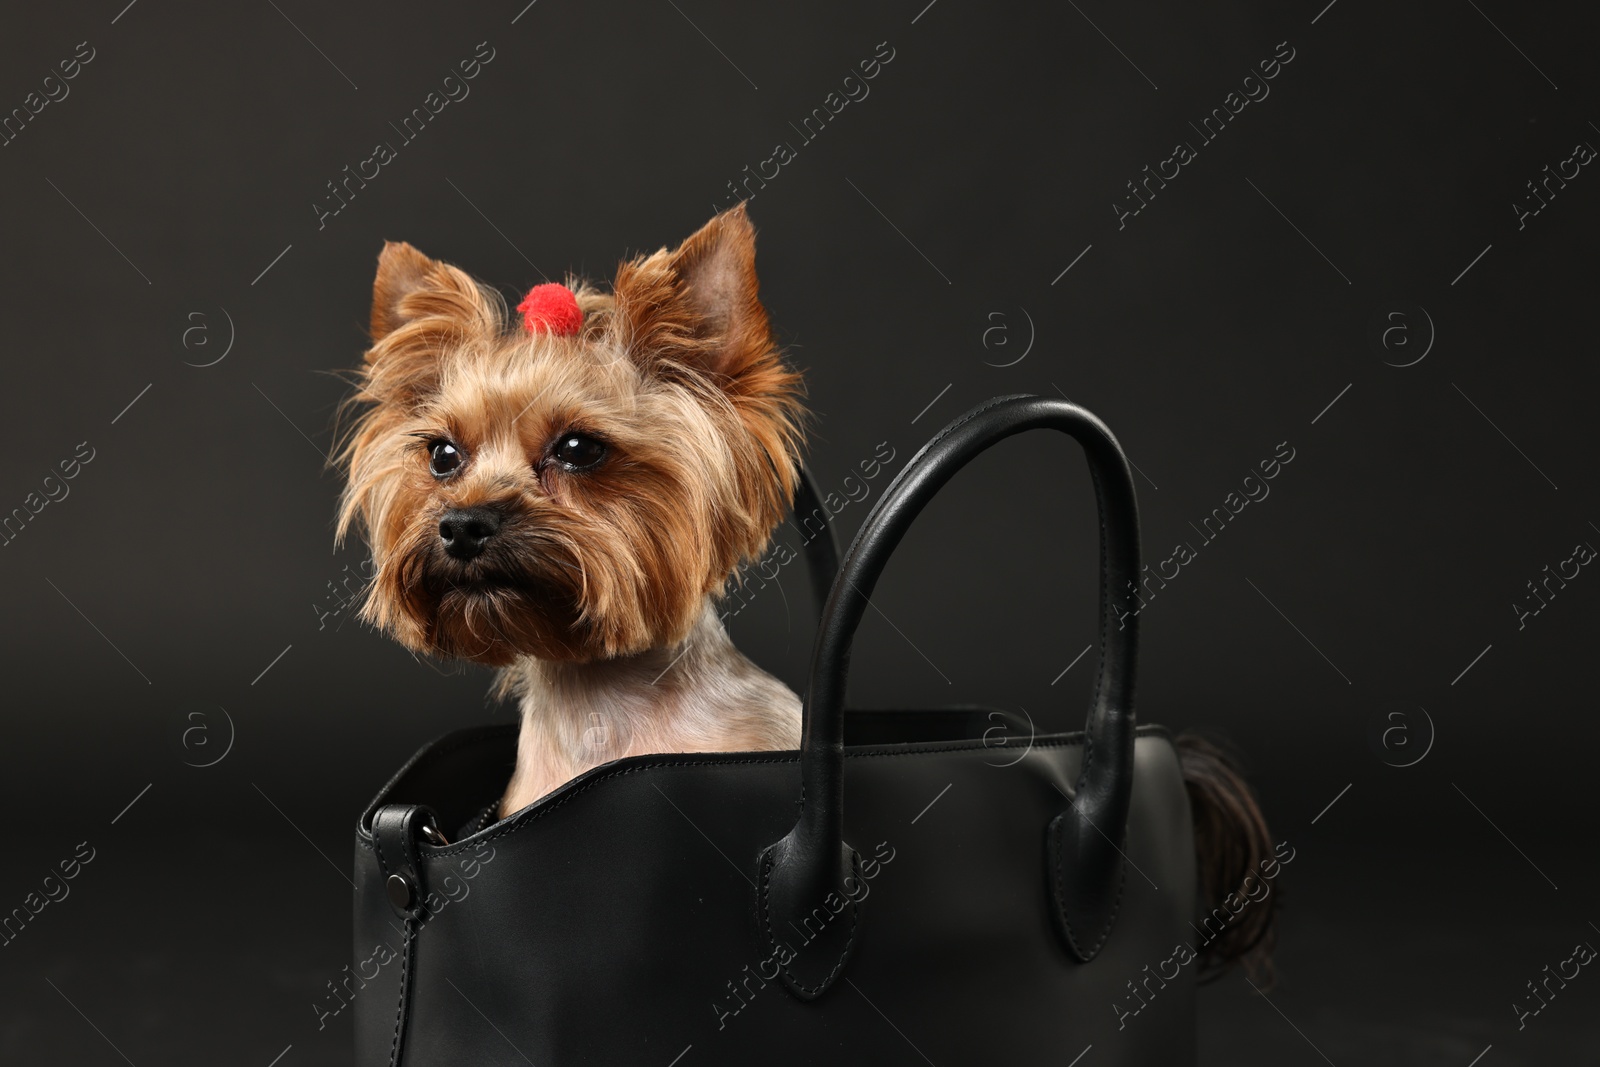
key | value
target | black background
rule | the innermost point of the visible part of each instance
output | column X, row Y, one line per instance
column 918, row 243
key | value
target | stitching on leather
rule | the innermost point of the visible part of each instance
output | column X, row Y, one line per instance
column 1111, row 917
column 766, row 923
column 1066, row 923
column 968, row 417
column 1061, row 897
column 383, row 863
column 365, row 840
column 383, row 866
column 521, row 822
column 1105, row 612
column 765, row 893
column 855, row 918
column 400, row 1008
column 1116, row 907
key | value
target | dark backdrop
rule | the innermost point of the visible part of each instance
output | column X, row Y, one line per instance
column 1341, row 270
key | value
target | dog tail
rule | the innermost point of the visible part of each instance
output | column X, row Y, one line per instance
column 1232, row 848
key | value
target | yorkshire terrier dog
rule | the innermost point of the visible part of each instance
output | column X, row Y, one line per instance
column 564, row 499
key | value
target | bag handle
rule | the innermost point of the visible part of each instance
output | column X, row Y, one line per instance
column 822, row 551
column 813, row 864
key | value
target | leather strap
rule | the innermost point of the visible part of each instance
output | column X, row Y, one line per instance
column 822, row 551
column 395, row 830
column 1083, row 843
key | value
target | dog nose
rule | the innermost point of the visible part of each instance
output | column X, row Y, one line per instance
column 465, row 531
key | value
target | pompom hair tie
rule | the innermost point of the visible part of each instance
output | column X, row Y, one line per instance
column 551, row 308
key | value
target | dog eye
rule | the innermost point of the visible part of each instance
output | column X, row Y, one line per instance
column 443, row 458
column 578, row 451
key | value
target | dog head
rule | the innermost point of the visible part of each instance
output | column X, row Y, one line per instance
column 572, row 493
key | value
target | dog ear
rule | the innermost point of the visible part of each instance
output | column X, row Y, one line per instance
column 697, row 308
column 420, row 308
column 693, row 317
column 410, row 286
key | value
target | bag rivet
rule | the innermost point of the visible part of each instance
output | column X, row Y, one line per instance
column 400, row 894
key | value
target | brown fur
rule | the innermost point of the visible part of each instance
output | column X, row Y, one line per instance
column 675, row 369
column 1231, row 843
column 596, row 593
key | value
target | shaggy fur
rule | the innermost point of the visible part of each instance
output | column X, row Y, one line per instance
column 595, row 593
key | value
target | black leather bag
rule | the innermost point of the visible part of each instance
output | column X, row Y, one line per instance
column 898, row 891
